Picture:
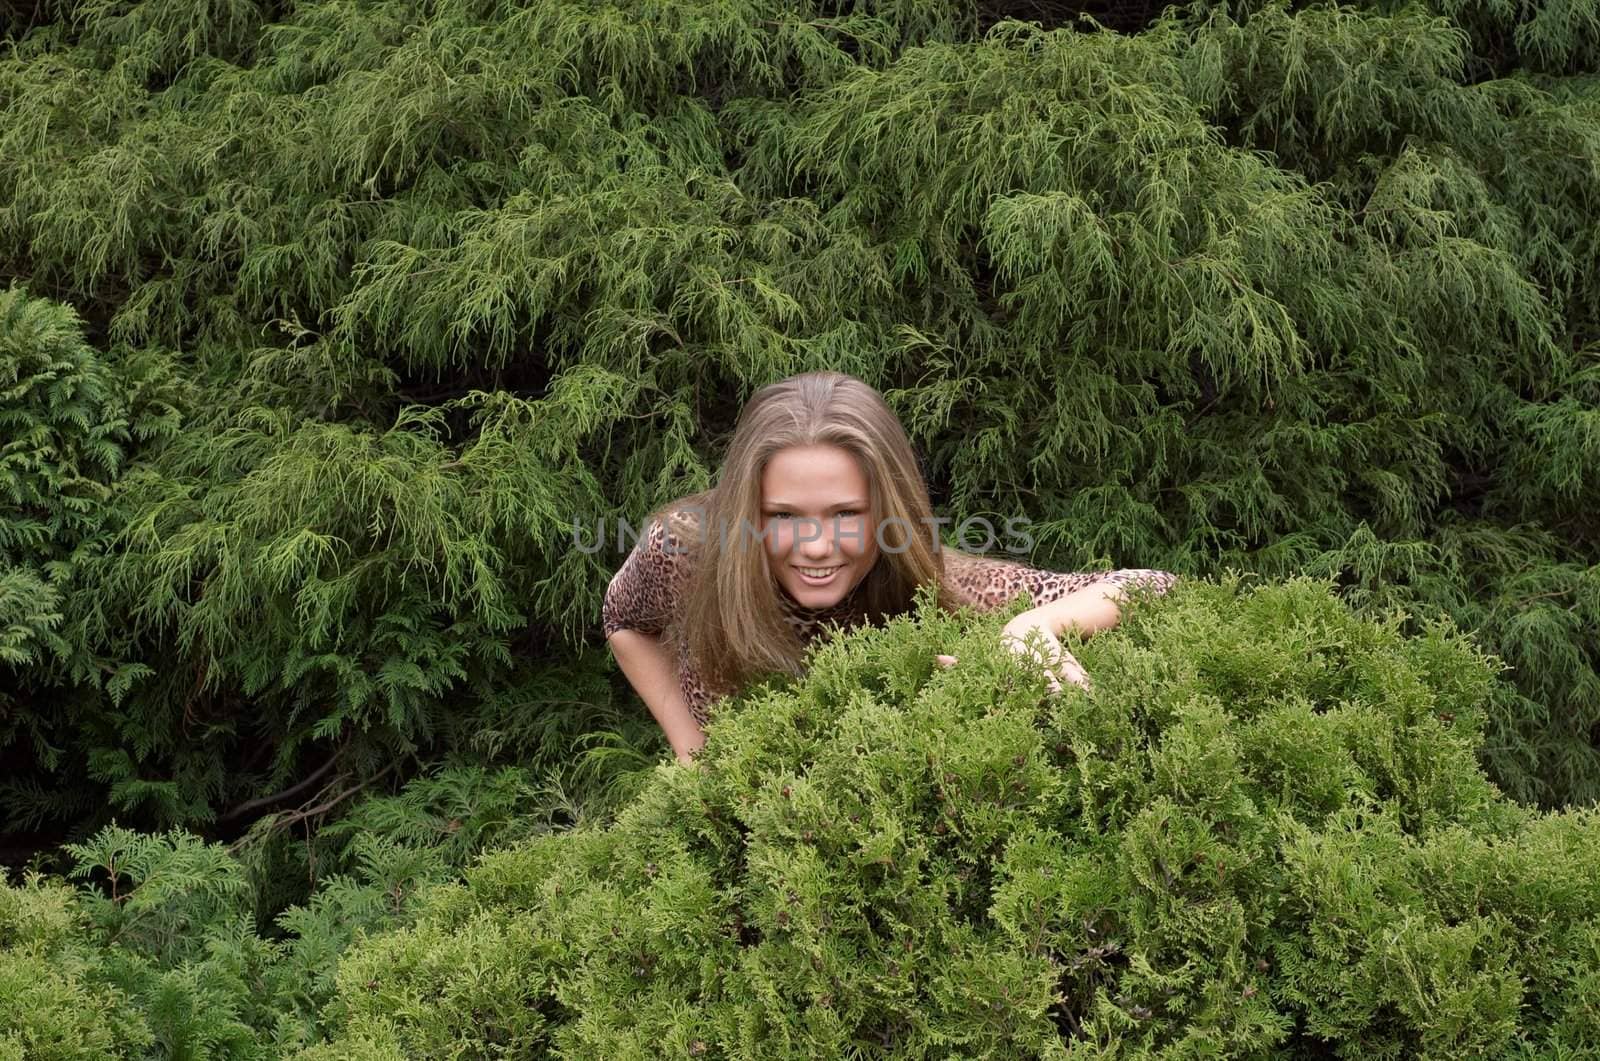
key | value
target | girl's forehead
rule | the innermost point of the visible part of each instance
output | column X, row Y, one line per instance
column 817, row 469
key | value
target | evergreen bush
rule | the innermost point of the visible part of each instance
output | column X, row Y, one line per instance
column 167, row 948
column 372, row 301
column 320, row 322
column 55, row 1008
column 1264, row 834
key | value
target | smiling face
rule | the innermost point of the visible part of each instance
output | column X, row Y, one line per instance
column 816, row 516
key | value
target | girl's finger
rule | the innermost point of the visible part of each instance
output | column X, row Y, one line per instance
column 945, row 661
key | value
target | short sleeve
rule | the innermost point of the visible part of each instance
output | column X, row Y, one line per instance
column 988, row 583
column 643, row 593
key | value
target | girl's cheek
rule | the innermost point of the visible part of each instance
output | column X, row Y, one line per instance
column 855, row 537
column 775, row 539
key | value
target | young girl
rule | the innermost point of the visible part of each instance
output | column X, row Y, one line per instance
column 820, row 516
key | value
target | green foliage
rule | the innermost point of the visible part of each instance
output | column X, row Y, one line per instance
column 71, row 417
column 324, row 321
column 370, row 302
column 1556, row 37
column 57, row 1006
column 61, row 420
column 1264, row 834
column 64, row 414
column 175, row 947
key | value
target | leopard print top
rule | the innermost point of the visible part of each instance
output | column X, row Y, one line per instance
column 644, row 591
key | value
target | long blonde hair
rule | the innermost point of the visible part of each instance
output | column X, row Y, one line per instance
column 730, row 616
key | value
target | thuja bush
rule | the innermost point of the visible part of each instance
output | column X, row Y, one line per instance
column 118, row 489
column 156, row 953
column 1283, row 290
column 72, row 420
column 166, row 945
column 1264, row 832
column 1557, row 37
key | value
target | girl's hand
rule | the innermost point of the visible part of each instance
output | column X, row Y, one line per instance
column 1059, row 664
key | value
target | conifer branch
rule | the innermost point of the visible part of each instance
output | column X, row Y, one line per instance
column 293, row 790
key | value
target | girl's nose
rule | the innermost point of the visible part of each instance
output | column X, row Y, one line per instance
column 816, row 541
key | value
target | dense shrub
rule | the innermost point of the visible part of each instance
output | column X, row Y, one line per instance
column 174, row 947
column 56, row 1008
column 1264, row 834
column 71, row 419
column 400, row 289
column 321, row 321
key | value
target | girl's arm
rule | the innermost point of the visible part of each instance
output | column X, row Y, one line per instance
column 647, row 662
column 639, row 603
column 1087, row 601
column 1096, row 606
column 1087, row 610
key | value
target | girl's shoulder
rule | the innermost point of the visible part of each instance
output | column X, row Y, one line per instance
column 644, row 593
column 671, row 536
